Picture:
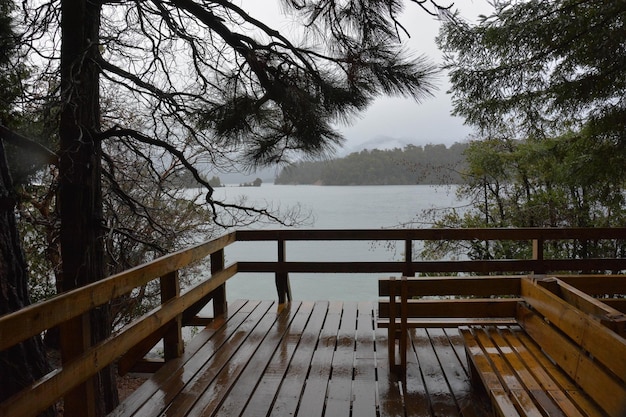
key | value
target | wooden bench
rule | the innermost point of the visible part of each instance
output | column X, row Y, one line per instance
column 567, row 356
column 442, row 302
column 537, row 346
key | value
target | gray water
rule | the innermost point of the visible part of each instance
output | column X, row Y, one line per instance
column 345, row 207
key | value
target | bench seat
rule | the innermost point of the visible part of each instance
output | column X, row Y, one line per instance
column 560, row 361
column 518, row 378
column 536, row 345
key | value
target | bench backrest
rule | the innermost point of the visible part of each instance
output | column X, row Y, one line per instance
column 590, row 352
column 448, row 301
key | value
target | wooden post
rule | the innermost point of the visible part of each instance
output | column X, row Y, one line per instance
column 173, row 345
column 282, row 278
column 538, row 256
column 76, row 339
column 408, row 258
column 391, row 330
column 404, row 329
column 220, row 305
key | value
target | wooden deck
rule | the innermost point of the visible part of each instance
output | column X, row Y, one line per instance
column 307, row 359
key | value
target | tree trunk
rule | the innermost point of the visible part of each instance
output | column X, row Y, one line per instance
column 26, row 362
column 80, row 192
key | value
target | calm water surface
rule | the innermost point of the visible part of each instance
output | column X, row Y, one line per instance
column 344, row 207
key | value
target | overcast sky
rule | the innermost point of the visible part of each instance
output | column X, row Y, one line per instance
column 403, row 120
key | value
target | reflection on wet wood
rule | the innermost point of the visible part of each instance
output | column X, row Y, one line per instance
column 308, row 359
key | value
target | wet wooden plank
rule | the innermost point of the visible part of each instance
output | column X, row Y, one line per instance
column 503, row 405
column 364, row 383
column 310, row 359
column 288, row 396
column 461, row 309
column 456, row 340
column 544, row 402
column 601, row 343
column 214, row 394
column 159, row 390
column 454, row 370
column 546, row 382
column 416, row 395
column 534, row 384
column 596, row 382
column 245, row 385
column 262, row 399
column 390, row 401
column 442, row 401
column 529, row 360
column 314, row 395
column 456, row 285
column 510, row 382
column 204, row 376
column 340, row 384
column 226, row 376
column 470, row 403
column 484, row 372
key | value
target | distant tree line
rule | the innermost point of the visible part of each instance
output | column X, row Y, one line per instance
column 429, row 164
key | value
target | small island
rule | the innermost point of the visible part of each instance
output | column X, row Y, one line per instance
column 256, row 183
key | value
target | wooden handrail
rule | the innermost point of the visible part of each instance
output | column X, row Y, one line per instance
column 36, row 318
column 97, row 357
column 176, row 307
column 528, row 233
column 477, row 266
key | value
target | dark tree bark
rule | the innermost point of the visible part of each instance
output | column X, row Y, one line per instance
column 26, row 362
column 80, row 192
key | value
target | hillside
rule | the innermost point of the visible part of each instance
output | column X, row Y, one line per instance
column 429, row 164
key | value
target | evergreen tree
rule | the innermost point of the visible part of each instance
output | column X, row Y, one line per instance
column 535, row 183
column 539, row 68
column 200, row 76
column 26, row 362
column 544, row 82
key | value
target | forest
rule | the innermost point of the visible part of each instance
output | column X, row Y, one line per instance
column 429, row 164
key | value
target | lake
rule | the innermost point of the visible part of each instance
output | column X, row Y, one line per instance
column 341, row 207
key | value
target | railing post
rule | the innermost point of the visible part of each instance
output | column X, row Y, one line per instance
column 538, row 255
column 173, row 345
column 76, row 339
column 220, row 304
column 282, row 278
column 408, row 259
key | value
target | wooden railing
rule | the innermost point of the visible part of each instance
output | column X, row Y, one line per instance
column 128, row 346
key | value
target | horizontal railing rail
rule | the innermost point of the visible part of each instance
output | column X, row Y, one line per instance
column 129, row 345
column 476, row 266
column 537, row 237
column 528, row 233
column 36, row 318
